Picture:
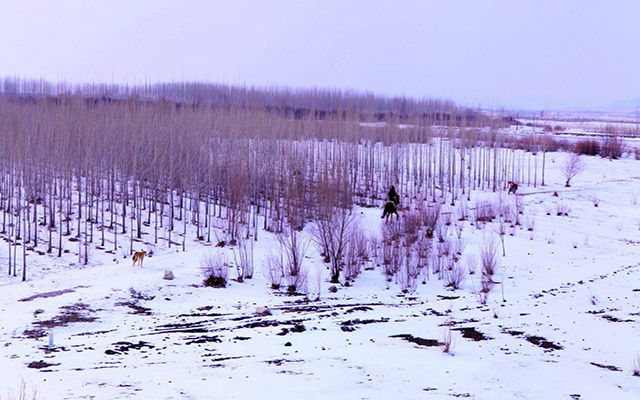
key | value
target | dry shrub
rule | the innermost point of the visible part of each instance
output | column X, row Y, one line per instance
column 489, row 258
column 444, row 248
column 462, row 211
column 293, row 249
column 392, row 231
column 244, row 259
column 22, row 394
column 430, row 216
column 447, row 338
column 392, row 259
column 274, row 273
column 442, row 230
column 588, row 147
column 485, row 211
column 472, row 265
column 362, row 245
column 409, row 272
column 612, row 147
column 454, row 276
column 352, row 264
column 572, row 167
column 562, row 209
column 411, row 222
column 216, row 270
column 331, row 232
column 530, row 223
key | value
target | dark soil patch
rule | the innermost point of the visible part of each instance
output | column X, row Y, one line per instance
column 363, row 321
column 542, row 342
column 360, row 308
column 34, row 333
column 203, row 339
column 294, row 329
column 48, row 294
column 124, row 347
column 512, row 332
column 40, row 364
column 417, row 340
column 611, row 318
column 609, row 367
column 280, row 361
column 70, row 314
column 441, row 297
column 472, row 333
column 137, row 308
column 187, row 327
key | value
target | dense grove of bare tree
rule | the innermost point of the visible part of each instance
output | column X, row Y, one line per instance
column 82, row 172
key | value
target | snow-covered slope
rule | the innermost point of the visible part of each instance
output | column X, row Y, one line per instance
column 563, row 322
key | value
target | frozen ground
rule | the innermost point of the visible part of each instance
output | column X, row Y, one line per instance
column 563, row 324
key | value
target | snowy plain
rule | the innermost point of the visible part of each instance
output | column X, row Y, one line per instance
column 564, row 321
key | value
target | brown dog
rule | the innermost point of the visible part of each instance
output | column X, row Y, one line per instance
column 138, row 257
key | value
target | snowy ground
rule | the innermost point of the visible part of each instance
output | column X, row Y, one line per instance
column 563, row 324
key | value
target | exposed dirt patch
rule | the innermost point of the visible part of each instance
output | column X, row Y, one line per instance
column 70, row 314
column 40, row 364
column 611, row 318
column 124, row 347
column 472, row 333
column 136, row 308
column 204, row 339
column 609, row 367
column 417, row 340
column 294, row 329
column 542, row 342
column 281, row 361
column 49, row 294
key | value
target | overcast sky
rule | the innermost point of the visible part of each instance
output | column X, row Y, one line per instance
column 516, row 53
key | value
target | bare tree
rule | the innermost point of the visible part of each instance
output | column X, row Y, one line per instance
column 572, row 167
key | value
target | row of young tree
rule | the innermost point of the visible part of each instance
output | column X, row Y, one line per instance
column 94, row 173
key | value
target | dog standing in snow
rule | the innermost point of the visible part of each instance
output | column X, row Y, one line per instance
column 138, row 257
column 512, row 187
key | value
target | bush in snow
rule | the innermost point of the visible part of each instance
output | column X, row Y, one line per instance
column 636, row 366
column 612, row 147
column 215, row 270
column 454, row 276
column 485, row 211
column 292, row 250
column 489, row 258
column 572, row 167
column 274, row 272
column 430, row 216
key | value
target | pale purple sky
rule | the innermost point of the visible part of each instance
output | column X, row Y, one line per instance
column 516, row 53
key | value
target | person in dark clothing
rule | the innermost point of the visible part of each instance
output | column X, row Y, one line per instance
column 513, row 187
column 393, row 196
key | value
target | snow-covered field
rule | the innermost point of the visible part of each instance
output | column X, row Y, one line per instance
column 562, row 323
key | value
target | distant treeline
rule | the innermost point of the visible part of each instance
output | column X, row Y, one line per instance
column 287, row 102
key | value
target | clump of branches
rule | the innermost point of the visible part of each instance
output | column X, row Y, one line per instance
column 331, row 232
column 430, row 216
column 216, row 270
column 485, row 211
column 572, row 167
column 489, row 258
column 455, row 275
column 244, row 259
column 612, row 147
column 294, row 249
column 408, row 272
column 274, row 271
